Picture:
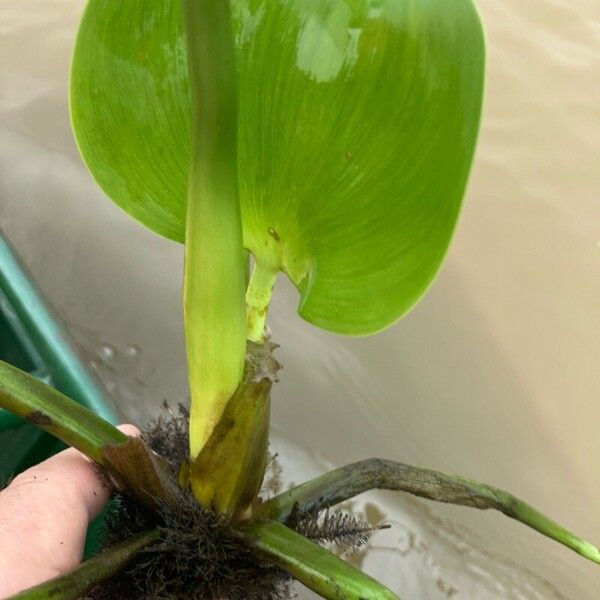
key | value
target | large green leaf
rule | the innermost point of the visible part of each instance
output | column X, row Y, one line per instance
column 357, row 124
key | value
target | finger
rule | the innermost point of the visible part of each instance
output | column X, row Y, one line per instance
column 44, row 516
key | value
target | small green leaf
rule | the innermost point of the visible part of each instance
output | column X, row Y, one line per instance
column 45, row 407
column 356, row 130
column 75, row 584
column 318, row 569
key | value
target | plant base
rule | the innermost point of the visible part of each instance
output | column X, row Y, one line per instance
column 199, row 555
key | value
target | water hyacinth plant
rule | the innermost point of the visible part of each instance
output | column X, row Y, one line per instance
column 329, row 140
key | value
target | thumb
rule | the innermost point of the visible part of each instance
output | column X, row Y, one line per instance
column 44, row 516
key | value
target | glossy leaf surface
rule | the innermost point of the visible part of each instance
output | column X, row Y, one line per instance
column 357, row 125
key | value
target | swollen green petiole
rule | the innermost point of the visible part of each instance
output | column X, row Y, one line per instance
column 215, row 266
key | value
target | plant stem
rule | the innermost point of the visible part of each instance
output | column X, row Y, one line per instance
column 318, row 569
column 258, row 296
column 48, row 409
column 214, row 287
column 129, row 460
column 352, row 480
column 75, row 584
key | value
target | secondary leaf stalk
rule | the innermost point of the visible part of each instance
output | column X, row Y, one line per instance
column 214, row 281
column 258, row 296
column 129, row 460
column 349, row 481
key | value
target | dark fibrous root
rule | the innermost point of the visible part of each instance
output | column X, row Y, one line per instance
column 350, row 533
column 167, row 434
column 198, row 556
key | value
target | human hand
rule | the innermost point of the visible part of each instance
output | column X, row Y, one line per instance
column 44, row 515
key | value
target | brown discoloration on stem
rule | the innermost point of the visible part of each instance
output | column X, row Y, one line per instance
column 142, row 471
column 352, row 480
column 39, row 418
column 49, row 409
column 377, row 473
column 229, row 471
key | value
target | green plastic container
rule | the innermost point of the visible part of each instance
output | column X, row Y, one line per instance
column 32, row 339
column 21, row 444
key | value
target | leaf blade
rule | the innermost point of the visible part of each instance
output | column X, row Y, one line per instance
column 356, row 134
column 114, row 70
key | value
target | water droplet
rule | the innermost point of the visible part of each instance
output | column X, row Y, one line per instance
column 107, row 352
column 133, row 350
